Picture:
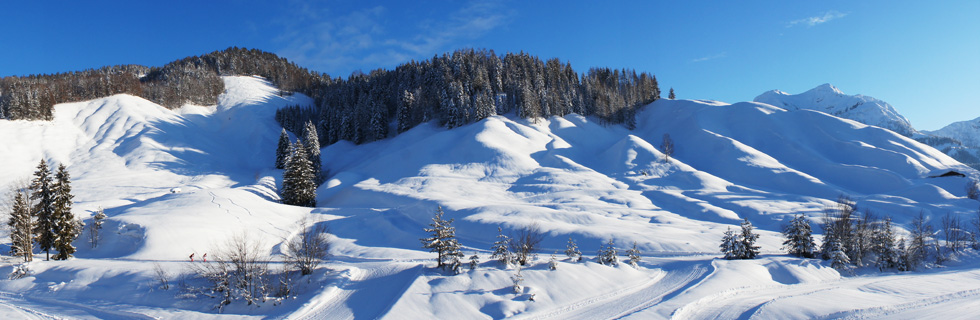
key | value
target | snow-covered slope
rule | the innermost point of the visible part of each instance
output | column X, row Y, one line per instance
column 829, row 99
column 571, row 176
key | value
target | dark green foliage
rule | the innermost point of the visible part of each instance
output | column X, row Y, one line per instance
column 298, row 186
column 66, row 227
column 42, row 193
column 282, row 150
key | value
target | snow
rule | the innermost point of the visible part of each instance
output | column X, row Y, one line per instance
column 829, row 99
column 967, row 132
column 572, row 176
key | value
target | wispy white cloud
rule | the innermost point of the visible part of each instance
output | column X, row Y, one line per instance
column 817, row 20
column 341, row 43
column 711, row 57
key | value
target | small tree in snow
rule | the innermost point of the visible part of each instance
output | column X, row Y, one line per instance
column 799, row 238
column 973, row 189
column 21, row 227
column 839, row 259
column 634, row 255
column 608, row 255
column 667, row 147
column 748, row 241
column 525, row 243
column 553, row 263
column 501, row 251
column 474, row 261
column 731, row 245
column 442, row 240
column 518, row 280
column 671, row 95
column 572, row 251
column 94, row 230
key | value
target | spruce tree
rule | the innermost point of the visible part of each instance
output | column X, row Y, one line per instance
column 298, row 187
column 748, row 241
column 442, row 241
column 66, row 227
column 311, row 141
column 731, row 245
column 43, row 195
column 572, row 251
column 95, row 230
column 21, row 228
column 671, row 95
column 608, row 255
column 634, row 255
column 474, row 261
column 282, row 150
column 799, row 238
column 839, row 259
column 553, row 263
column 501, row 248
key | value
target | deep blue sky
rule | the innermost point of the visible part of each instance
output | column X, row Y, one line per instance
column 923, row 58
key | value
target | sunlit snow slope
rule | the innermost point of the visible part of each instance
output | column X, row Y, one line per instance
column 571, row 176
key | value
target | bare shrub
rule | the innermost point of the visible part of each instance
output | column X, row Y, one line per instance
column 525, row 242
column 309, row 248
column 162, row 276
column 235, row 272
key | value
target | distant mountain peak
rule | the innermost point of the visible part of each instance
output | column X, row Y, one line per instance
column 828, row 98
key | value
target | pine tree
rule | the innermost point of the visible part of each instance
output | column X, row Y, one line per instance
column 298, row 186
column 43, row 195
column 474, row 261
column 671, row 95
column 66, row 227
column 839, row 259
column 553, row 263
column 748, row 241
column 884, row 247
column 799, row 238
column 731, row 245
column 311, row 142
column 501, row 248
column 518, row 280
column 282, row 151
column 571, row 250
column 608, row 255
column 634, row 255
column 442, row 241
column 21, row 228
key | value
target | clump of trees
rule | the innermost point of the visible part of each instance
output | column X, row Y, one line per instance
column 740, row 245
column 41, row 214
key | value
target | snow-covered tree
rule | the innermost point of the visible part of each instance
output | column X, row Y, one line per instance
column 732, row 245
column 66, row 227
column 748, row 241
column 634, row 255
column 839, row 259
column 671, row 95
column 608, row 255
column 799, row 238
column 885, row 246
column 572, row 251
column 282, row 150
column 474, row 261
column 298, row 186
column 42, row 193
column 95, row 230
column 501, row 248
column 442, row 241
column 311, row 142
column 973, row 189
column 919, row 243
column 21, row 228
column 667, row 147
column 518, row 280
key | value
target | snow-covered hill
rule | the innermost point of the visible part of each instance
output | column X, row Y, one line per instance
column 829, row 99
column 570, row 175
column 967, row 132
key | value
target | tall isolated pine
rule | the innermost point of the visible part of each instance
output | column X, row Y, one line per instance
column 799, row 238
column 298, row 186
column 311, row 141
column 21, row 228
column 66, row 227
column 442, row 241
column 282, row 150
column 43, row 195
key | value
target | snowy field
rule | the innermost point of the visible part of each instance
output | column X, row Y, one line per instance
column 571, row 176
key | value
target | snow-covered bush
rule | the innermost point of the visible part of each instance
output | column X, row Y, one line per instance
column 553, row 263
column 608, row 255
column 572, row 251
column 634, row 255
column 525, row 242
column 20, row 271
column 518, row 280
column 501, row 248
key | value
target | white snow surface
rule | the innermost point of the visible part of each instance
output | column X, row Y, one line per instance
column 829, row 99
column 571, row 176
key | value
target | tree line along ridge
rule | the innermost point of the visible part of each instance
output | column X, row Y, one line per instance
column 453, row 88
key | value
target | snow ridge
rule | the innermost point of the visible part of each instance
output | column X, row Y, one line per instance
column 828, row 98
